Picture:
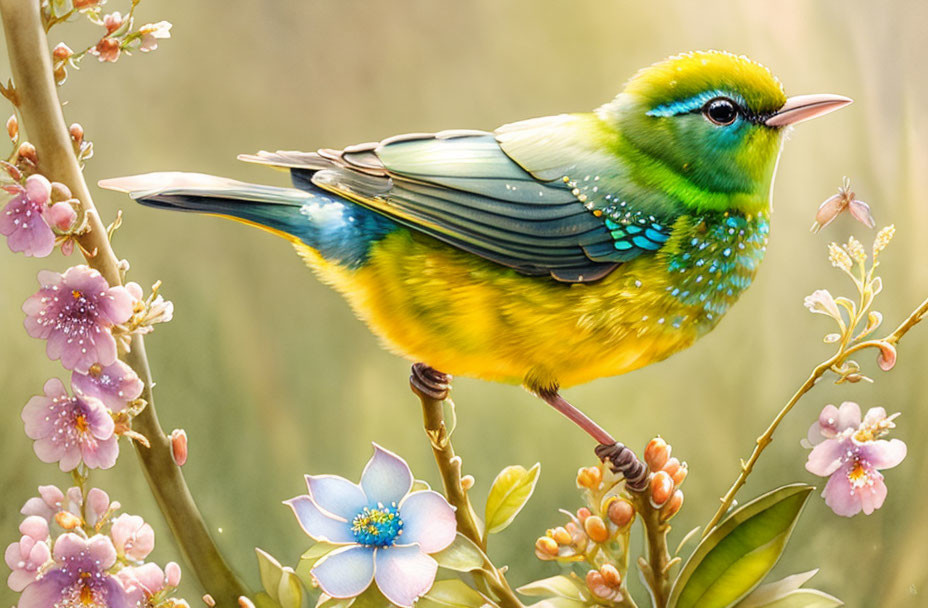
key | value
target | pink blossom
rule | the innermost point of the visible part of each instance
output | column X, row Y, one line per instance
column 79, row 577
column 46, row 504
column 386, row 532
column 52, row 501
column 107, row 49
column 112, row 22
column 849, row 452
column 26, row 557
column 74, row 312
column 68, row 430
column 132, row 537
column 844, row 200
column 143, row 582
column 151, row 33
column 61, row 215
column 116, row 385
column 22, row 221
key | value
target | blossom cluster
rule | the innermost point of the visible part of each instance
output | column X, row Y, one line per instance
column 78, row 550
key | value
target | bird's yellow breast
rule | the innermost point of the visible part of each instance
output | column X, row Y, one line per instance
column 466, row 316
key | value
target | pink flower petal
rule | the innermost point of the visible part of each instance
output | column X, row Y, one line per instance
column 826, row 457
column 861, row 212
column 336, row 495
column 34, row 527
column 386, row 478
column 848, row 416
column 839, row 495
column 404, row 574
column 883, row 454
column 872, row 495
column 345, row 572
column 45, row 592
column 830, row 209
column 428, row 520
column 317, row 524
column 38, row 189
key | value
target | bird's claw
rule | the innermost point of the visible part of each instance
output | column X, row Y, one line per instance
column 623, row 461
column 429, row 382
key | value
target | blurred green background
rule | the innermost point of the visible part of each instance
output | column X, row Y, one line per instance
column 271, row 375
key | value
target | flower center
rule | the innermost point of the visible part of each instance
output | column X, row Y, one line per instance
column 858, row 476
column 377, row 527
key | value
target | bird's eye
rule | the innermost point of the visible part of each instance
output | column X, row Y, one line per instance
column 721, row 111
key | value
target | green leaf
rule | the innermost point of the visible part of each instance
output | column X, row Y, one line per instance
column 309, row 559
column 452, row 593
column 805, row 598
column 462, row 555
column 271, row 572
column 263, row 600
column 740, row 551
column 289, row 590
column 555, row 586
column 61, row 8
column 419, row 485
column 510, row 491
column 326, row 601
column 769, row 592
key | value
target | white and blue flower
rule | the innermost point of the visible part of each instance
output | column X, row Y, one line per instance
column 386, row 532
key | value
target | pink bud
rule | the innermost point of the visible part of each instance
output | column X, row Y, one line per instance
column 179, row 446
column 12, row 127
column 887, row 357
column 62, row 52
column 38, row 189
column 60, row 216
column 172, row 574
column 112, row 22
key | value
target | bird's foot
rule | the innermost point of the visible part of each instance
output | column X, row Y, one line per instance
column 430, row 383
column 623, row 461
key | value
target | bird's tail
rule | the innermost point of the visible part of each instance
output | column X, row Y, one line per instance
column 309, row 217
column 268, row 207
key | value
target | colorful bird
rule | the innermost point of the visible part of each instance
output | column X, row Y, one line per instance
column 551, row 251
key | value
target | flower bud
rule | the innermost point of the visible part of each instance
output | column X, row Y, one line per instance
column 589, row 477
column 583, row 513
column 179, row 446
column 77, row 133
column 209, row 601
column 67, row 520
column 595, row 528
column 605, row 583
column 887, row 357
column 673, row 506
column 561, row 536
column 112, row 22
column 244, row 602
column 60, row 192
column 172, row 574
column 62, row 52
column 467, row 482
column 546, row 548
column 680, row 474
column 661, row 488
column 12, row 127
column 671, row 467
column 621, row 512
column 656, row 454
column 79, row 4
column 27, row 152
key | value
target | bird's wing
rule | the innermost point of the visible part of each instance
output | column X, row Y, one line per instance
column 502, row 196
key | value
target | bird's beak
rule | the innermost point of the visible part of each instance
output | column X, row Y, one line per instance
column 805, row 107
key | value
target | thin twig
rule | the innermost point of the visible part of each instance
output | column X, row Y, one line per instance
column 837, row 359
column 44, row 121
column 432, row 396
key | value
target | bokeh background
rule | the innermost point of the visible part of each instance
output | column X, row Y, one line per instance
column 271, row 375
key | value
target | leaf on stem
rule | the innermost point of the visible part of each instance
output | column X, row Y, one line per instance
column 555, row 586
column 451, row 593
column 510, row 491
column 462, row 555
column 737, row 554
column 786, row 593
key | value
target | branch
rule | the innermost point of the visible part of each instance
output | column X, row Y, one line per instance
column 655, row 569
column 43, row 119
column 432, row 389
column 838, row 358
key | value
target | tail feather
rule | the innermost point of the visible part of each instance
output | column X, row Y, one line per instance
column 338, row 230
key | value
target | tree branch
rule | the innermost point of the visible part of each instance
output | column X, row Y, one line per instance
column 44, row 121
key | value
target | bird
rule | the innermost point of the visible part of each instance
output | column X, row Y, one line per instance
column 551, row 251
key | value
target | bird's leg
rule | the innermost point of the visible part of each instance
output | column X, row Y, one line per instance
column 553, row 398
column 621, row 459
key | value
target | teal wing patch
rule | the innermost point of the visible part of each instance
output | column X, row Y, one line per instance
column 463, row 188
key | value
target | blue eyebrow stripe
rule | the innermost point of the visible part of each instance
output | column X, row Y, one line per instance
column 691, row 104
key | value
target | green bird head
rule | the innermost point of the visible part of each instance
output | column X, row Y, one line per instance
column 714, row 121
